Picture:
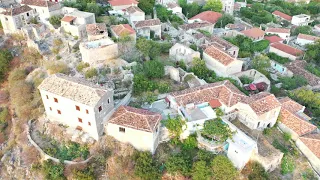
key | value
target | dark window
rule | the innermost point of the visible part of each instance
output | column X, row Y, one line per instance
column 108, row 100
column 80, row 120
column 77, row 108
column 100, row 108
column 87, row 111
column 89, row 123
column 121, row 129
column 50, row 108
column 157, row 130
column 47, row 96
column 27, row 14
column 56, row 100
column 59, row 112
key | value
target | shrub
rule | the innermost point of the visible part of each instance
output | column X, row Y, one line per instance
column 4, row 113
column 145, row 167
column 313, row 69
column 219, row 112
column 260, row 45
column 175, row 126
column 246, row 80
column 287, row 165
column 142, row 84
column 81, row 66
column 287, row 136
column 290, row 83
column 90, row 73
column 222, row 168
column 163, row 87
column 85, row 174
column 57, row 67
column 153, row 69
column 190, row 143
column 5, row 59
column 277, row 58
column 53, row 170
column 257, row 172
column 308, row 174
column 57, row 42
column 55, row 20
column 217, row 130
column 188, row 77
column 200, row 171
column 178, row 164
column 58, row 57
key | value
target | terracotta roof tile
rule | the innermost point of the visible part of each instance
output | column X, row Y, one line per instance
column 195, row 25
column 147, row 23
column 209, row 16
column 282, row 15
column 262, row 102
column 273, row 39
column 297, row 67
column 133, row 9
column 278, row 30
column 122, row 29
column 225, row 91
column 96, row 29
column 291, row 105
column 122, row 2
column 68, row 18
column 225, row 44
column 219, row 55
column 308, row 37
column 41, row 3
column 312, row 141
column 139, row 119
column 253, row 33
column 287, row 49
column 17, row 10
column 172, row 5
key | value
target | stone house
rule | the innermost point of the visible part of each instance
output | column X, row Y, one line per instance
column 228, row 47
column 274, row 39
column 304, row 39
column 117, row 5
column 286, row 51
column 256, row 76
column 98, row 51
column 76, row 21
column 13, row 19
column 43, row 9
column 301, row 20
column 148, row 27
column 122, row 30
column 182, row 52
column 228, row 6
column 282, row 16
column 281, row 32
column 134, row 13
column 96, row 31
column 138, row 127
column 174, row 7
column 204, row 26
column 76, row 103
column 221, row 62
column 255, row 34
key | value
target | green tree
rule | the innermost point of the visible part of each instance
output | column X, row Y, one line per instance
column 145, row 167
column 217, row 130
column 90, row 73
column 222, row 168
column 178, row 164
column 144, row 46
column 162, row 13
column 213, row 5
column 55, row 20
column 224, row 20
column 5, row 59
column 200, row 69
column 146, row 6
column 190, row 143
column 142, row 84
column 200, row 171
column 303, row 30
column 153, row 69
column 175, row 126
column 287, row 164
column 261, row 63
column 85, row 174
column 290, row 83
column 53, row 170
column 313, row 52
column 94, row 8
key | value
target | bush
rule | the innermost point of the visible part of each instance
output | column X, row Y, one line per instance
column 55, row 20
column 261, row 45
column 174, row 126
column 145, row 167
column 178, row 164
column 142, row 84
column 190, row 143
column 85, row 174
column 287, row 165
column 277, row 58
column 219, row 112
column 153, row 69
column 216, row 130
column 257, row 172
column 313, row 69
column 246, row 80
column 290, row 83
column 287, row 136
column 200, row 171
column 57, row 67
column 4, row 113
column 308, row 174
column 81, row 66
column 53, row 170
column 163, row 87
column 222, row 168
column 90, row 73
column 5, row 59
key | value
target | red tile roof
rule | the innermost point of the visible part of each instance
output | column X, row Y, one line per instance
column 262, row 102
column 147, row 23
column 135, row 118
column 312, row 141
column 225, row 91
column 41, row 3
column 219, row 55
column 195, row 25
column 278, row 30
column 282, row 15
column 273, row 39
column 133, row 9
column 215, row 103
column 287, row 49
column 68, row 18
column 96, row 28
column 122, row 29
column 308, row 37
column 253, row 33
column 297, row 67
column 209, row 16
column 122, row 2
column 289, row 116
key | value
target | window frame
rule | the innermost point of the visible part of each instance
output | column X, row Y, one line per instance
column 122, row 129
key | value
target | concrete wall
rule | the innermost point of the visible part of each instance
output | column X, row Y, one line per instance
column 313, row 159
column 180, row 52
column 141, row 140
column 284, row 128
column 11, row 24
column 69, row 115
column 281, row 35
column 282, row 54
column 304, row 42
column 136, row 17
column 220, row 69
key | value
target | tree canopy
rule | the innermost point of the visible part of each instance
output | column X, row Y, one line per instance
column 145, row 167
column 217, row 130
column 303, row 30
column 5, row 59
column 213, row 5
column 313, row 52
column 146, row 6
column 222, row 168
column 261, row 63
column 224, row 20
